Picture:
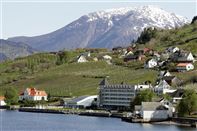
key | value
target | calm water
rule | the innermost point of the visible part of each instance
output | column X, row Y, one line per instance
column 20, row 121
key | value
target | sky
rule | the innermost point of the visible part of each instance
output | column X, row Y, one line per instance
column 37, row 17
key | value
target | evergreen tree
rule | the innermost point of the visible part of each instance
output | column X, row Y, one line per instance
column 194, row 19
column 146, row 35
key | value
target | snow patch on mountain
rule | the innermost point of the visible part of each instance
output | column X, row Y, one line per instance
column 105, row 28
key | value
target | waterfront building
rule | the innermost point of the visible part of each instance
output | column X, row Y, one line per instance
column 118, row 96
column 2, row 101
column 33, row 94
column 156, row 111
column 80, row 102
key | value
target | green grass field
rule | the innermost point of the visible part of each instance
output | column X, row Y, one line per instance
column 80, row 79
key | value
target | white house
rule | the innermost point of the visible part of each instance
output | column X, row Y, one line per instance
column 181, row 67
column 185, row 57
column 143, row 86
column 177, row 95
column 163, row 87
column 164, row 74
column 190, row 57
column 126, row 53
column 2, row 101
column 80, row 102
column 81, row 59
column 151, row 63
column 33, row 94
column 86, row 54
column 155, row 111
column 173, row 49
column 107, row 57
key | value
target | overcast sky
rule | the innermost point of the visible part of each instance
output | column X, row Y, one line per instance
column 30, row 18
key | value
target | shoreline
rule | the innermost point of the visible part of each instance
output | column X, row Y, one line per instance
column 104, row 114
column 170, row 123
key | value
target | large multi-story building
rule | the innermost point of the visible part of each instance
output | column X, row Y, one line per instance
column 118, row 96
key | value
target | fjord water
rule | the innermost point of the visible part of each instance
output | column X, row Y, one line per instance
column 21, row 121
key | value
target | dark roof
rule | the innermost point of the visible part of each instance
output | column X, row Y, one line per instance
column 168, row 78
column 152, row 106
column 104, row 82
column 177, row 93
column 163, row 73
column 172, row 80
column 131, row 57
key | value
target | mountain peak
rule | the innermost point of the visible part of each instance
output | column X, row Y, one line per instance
column 106, row 28
column 151, row 11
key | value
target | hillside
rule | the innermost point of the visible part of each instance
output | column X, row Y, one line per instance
column 12, row 50
column 105, row 29
column 69, row 79
column 184, row 38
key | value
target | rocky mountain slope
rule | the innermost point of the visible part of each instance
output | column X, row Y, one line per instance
column 12, row 50
column 106, row 29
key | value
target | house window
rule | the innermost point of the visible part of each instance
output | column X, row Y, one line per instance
column 43, row 98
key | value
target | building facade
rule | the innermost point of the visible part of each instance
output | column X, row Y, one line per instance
column 2, row 101
column 33, row 94
column 155, row 111
column 117, row 96
column 181, row 67
column 152, row 63
column 80, row 102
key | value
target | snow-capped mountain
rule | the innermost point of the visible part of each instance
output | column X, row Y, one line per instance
column 106, row 29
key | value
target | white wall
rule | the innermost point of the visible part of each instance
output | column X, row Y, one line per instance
column 168, row 91
column 39, row 98
column 81, row 59
column 87, row 101
column 189, row 67
column 33, row 98
column 155, row 115
column 2, row 103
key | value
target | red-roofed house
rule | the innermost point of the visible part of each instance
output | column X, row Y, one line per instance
column 2, row 101
column 33, row 94
column 184, row 67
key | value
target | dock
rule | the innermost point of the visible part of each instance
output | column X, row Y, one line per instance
column 35, row 110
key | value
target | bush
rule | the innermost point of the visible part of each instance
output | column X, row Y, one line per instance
column 188, row 104
column 28, row 103
column 143, row 96
column 11, row 96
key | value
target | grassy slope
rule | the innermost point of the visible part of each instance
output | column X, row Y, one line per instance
column 80, row 79
column 176, row 37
